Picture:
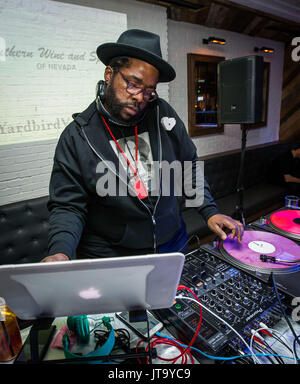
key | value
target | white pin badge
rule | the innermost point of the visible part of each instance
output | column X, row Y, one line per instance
column 168, row 123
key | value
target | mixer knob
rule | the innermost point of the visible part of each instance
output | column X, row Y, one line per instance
column 259, row 285
column 219, row 308
column 229, row 291
column 237, row 307
column 222, row 287
column 203, row 275
column 254, row 295
column 246, row 290
column 237, row 296
column 220, row 297
column 227, row 314
column 228, row 302
column 212, row 303
column 238, row 285
column 195, row 290
column 213, row 292
column 204, row 298
column 246, row 300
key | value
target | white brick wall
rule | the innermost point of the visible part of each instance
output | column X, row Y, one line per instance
column 25, row 169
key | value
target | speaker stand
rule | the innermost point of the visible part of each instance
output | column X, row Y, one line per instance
column 240, row 187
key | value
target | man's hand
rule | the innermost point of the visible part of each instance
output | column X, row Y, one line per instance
column 291, row 179
column 217, row 222
column 56, row 257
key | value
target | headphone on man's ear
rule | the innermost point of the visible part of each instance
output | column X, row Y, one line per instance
column 100, row 92
column 80, row 326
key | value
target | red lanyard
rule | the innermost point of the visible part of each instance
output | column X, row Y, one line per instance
column 121, row 150
column 139, row 186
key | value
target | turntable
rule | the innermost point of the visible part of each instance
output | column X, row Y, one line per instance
column 261, row 253
column 285, row 222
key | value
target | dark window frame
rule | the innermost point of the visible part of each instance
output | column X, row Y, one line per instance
column 194, row 129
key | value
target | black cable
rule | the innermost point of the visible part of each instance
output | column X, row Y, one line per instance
column 245, row 359
column 283, row 311
column 262, row 351
column 282, row 342
column 189, row 239
column 295, row 350
column 122, row 339
column 277, row 358
column 148, row 332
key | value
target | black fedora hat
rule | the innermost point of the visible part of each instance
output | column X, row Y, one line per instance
column 141, row 45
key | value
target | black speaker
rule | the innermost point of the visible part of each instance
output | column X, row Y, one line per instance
column 240, row 90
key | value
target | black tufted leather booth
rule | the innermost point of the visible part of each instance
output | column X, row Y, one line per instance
column 221, row 172
column 24, row 225
column 24, row 231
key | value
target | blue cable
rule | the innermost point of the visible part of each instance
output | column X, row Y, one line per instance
column 222, row 358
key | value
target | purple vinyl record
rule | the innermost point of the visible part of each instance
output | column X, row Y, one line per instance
column 256, row 243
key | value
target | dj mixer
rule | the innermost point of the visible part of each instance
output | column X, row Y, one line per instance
column 233, row 284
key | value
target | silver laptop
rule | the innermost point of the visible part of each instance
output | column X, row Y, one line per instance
column 78, row 287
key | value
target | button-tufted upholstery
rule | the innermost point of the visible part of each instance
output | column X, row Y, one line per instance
column 221, row 172
column 24, row 230
column 24, row 225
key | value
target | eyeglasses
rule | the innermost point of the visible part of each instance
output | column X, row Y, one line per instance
column 134, row 89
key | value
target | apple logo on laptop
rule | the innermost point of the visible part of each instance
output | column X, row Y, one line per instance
column 90, row 293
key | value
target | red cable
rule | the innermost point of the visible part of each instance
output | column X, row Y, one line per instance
column 200, row 319
column 266, row 332
column 258, row 340
column 184, row 350
column 161, row 340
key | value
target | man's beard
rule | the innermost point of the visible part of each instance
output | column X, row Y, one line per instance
column 114, row 106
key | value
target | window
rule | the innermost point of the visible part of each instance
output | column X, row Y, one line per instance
column 203, row 95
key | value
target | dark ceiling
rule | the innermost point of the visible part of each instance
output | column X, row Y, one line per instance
column 224, row 14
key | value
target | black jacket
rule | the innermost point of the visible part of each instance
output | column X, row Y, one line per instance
column 81, row 221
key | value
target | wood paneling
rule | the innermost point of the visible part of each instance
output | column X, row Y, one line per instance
column 223, row 14
column 290, row 102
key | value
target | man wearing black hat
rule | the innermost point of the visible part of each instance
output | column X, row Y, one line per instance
column 118, row 139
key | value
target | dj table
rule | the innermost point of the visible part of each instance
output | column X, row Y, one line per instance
column 234, row 290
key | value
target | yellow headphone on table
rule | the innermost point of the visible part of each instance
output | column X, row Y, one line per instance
column 80, row 326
